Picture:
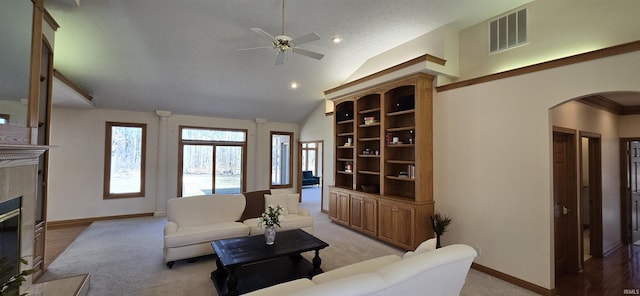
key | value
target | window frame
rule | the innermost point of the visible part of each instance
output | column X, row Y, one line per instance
column 289, row 183
column 214, row 144
column 107, row 160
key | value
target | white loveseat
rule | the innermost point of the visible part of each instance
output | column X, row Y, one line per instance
column 427, row 271
column 194, row 222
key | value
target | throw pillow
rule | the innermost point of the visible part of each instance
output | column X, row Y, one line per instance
column 255, row 204
column 288, row 201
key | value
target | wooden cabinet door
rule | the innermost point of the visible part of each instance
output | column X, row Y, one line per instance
column 369, row 216
column 333, row 205
column 386, row 224
column 356, row 210
column 343, row 208
column 404, row 226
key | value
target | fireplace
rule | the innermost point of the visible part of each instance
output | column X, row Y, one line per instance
column 10, row 225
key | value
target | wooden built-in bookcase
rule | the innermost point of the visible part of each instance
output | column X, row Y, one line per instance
column 384, row 161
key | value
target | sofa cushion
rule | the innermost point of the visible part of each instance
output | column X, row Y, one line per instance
column 290, row 222
column 356, row 268
column 288, row 201
column 205, row 209
column 205, row 233
column 356, row 285
column 255, row 204
column 287, row 288
column 426, row 246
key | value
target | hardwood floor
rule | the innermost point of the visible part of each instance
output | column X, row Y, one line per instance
column 601, row 276
column 616, row 274
column 59, row 238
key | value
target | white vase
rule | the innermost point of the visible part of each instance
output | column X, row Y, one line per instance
column 270, row 234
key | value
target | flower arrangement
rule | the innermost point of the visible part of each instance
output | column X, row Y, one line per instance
column 439, row 223
column 272, row 216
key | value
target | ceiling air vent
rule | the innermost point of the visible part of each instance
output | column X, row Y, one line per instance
column 508, row 31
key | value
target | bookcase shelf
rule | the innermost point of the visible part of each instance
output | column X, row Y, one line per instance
column 385, row 180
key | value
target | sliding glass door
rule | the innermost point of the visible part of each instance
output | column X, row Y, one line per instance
column 212, row 161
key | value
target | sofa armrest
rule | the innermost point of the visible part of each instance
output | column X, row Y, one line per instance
column 366, row 266
column 170, row 227
column 304, row 212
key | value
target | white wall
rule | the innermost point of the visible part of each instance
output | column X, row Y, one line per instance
column 556, row 29
column 581, row 117
column 77, row 161
column 492, row 160
column 319, row 127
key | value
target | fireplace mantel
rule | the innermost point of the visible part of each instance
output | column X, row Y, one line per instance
column 17, row 155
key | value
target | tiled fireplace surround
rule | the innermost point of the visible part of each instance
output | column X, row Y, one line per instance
column 18, row 177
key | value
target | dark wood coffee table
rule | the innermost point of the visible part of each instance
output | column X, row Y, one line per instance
column 246, row 264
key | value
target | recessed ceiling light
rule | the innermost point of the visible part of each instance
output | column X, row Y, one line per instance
column 336, row 39
column 293, row 85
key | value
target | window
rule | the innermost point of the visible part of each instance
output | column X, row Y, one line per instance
column 211, row 161
column 508, row 31
column 309, row 157
column 281, row 156
column 124, row 169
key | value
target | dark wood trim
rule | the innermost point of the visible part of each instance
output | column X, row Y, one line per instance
column 50, row 20
column 291, row 142
column 564, row 130
column 107, row 161
column 579, row 58
column 602, row 103
column 611, row 250
column 420, row 59
column 513, row 280
column 87, row 221
column 69, row 83
column 625, row 198
column 34, row 77
column 595, row 192
column 182, row 142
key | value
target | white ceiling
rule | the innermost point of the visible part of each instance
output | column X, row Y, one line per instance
column 181, row 56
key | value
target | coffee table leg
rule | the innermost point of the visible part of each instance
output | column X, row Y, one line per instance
column 220, row 270
column 232, row 283
column 316, row 264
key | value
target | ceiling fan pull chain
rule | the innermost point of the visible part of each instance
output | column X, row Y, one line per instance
column 282, row 18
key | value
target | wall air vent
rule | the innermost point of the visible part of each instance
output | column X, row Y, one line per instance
column 508, row 31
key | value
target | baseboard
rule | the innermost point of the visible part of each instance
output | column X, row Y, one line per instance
column 86, row 221
column 513, row 280
column 608, row 251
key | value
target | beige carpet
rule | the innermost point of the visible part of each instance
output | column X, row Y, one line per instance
column 124, row 257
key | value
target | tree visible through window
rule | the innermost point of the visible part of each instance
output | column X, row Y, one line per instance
column 281, row 155
column 124, row 160
column 211, row 161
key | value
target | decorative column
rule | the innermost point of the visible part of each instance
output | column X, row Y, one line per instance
column 259, row 177
column 161, row 174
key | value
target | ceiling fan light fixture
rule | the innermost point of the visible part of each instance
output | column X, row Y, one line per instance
column 293, row 85
column 336, row 39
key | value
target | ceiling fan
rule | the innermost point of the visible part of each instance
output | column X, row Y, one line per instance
column 283, row 43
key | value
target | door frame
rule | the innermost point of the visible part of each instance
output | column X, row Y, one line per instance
column 625, row 196
column 575, row 261
column 595, row 193
column 320, row 145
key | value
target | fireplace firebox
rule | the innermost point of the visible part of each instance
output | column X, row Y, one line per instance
column 10, row 238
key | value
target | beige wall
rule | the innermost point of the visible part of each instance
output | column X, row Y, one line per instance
column 77, row 160
column 492, row 160
column 319, row 127
column 556, row 29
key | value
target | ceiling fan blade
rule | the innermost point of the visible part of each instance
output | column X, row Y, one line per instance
column 263, row 32
column 252, row 48
column 305, row 38
column 311, row 54
column 280, row 58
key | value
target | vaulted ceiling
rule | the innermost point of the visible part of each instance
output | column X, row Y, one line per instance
column 183, row 57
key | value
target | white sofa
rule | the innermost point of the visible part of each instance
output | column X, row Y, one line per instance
column 427, row 271
column 194, row 222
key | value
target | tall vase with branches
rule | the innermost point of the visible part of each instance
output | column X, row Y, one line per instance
column 439, row 224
